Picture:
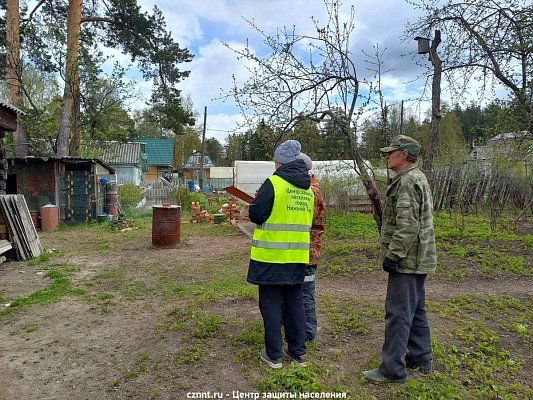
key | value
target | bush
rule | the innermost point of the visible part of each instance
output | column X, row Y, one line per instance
column 184, row 198
column 130, row 195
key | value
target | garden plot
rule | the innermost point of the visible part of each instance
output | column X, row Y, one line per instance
column 106, row 316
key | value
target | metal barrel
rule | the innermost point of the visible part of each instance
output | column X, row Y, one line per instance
column 166, row 227
column 49, row 218
column 111, row 198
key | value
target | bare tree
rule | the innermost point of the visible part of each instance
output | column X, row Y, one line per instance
column 485, row 40
column 309, row 77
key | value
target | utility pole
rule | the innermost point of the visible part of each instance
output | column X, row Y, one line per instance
column 201, row 174
column 401, row 119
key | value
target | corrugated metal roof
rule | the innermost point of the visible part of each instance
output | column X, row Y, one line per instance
column 122, row 153
column 160, row 151
column 67, row 159
column 510, row 136
column 12, row 108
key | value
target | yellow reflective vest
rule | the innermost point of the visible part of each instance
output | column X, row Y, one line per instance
column 285, row 236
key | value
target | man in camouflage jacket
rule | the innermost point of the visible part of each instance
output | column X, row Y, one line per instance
column 409, row 254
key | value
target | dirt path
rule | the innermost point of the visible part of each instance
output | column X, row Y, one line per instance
column 124, row 337
column 374, row 286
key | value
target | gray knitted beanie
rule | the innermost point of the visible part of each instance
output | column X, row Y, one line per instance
column 287, row 151
column 307, row 160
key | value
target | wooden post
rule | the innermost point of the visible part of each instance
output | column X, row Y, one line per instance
column 434, row 129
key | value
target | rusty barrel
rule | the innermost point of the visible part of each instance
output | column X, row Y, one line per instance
column 166, row 222
column 49, row 217
column 111, row 198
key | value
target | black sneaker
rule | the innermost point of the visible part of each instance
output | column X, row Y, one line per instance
column 296, row 359
column 272, row 363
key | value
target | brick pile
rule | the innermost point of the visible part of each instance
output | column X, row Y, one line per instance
column 199, row 215
column 231, row 210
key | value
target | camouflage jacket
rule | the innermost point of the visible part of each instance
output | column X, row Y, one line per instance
column 407, row 233
column 317, row 229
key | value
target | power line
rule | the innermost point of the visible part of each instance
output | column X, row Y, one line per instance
column 223, row 130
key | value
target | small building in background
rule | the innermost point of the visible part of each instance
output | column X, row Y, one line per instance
column 160, row 157
column 71, row 183
column 129, row 160
column 191, row 169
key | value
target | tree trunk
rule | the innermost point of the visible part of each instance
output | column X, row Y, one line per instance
column 435, row 108
column 71, row 72
column 75, row 147
column 14, row 73
column 368, row 182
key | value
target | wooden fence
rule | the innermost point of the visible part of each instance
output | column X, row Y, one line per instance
column 473, row 187
column 158, row 193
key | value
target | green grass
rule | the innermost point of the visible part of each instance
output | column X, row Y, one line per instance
column 230, row 287
column 490, row 261
column 350, row 225
column 59, row 288
column 140, row 367
column 528, row 240
column 191, row 354
column 292, row 379
column 349, row 257
column 109, row 275
column 135, row 290
column 477, row 367
column 209, row 230
column 474, row 227
column 348, row 316
column 44, row 257
column 248, row 341
column 198, row 323
column 509, row 314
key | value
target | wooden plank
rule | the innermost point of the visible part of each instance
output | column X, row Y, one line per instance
column 31, row 232
column 5, row 245
column 11, row 228
column 20, row 227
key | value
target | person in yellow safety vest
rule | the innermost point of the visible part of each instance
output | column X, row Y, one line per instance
column 283, row 211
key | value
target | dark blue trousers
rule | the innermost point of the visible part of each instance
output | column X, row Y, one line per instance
column 406, row 324
column 270, row 299
column 310, row 303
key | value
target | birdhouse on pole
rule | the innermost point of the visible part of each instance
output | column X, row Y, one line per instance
column 423, row 45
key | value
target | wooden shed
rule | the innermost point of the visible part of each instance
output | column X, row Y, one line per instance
column 69, row 182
